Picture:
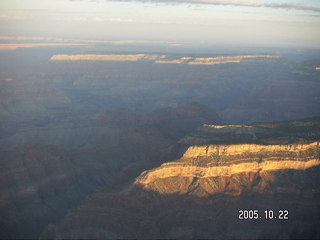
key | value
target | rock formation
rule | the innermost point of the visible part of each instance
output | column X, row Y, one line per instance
column 105, row 57
column 203, row 170
column 200, row 194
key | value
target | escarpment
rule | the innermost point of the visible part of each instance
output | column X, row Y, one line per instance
column 233, row 168
column 199, row 195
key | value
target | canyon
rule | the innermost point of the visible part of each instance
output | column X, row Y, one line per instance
column 41, row 182
column 101, row 143
column 201, row 192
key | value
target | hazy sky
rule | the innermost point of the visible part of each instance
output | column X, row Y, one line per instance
column 256, row 22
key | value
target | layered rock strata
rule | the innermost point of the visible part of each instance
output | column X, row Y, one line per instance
column 204, row 170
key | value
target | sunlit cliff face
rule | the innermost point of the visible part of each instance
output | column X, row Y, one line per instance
column 190, row 171
column 105, row 57
column 175, row 61
column 218, row 161
column 226, row 126
column 228, row 59
column 238, row 149
column 160, row 59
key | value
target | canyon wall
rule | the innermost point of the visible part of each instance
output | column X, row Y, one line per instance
column 208, row 169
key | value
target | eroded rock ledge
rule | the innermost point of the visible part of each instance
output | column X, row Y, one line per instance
column 208, row 163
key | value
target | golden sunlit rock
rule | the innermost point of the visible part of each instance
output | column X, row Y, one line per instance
column 236, row 149
column 175, row 61
column 228, row 59
column 227, row 160
column 105, row 57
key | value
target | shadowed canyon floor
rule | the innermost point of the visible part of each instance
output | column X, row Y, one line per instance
column 40, row 183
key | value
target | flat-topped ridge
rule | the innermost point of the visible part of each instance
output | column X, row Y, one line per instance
column 274, row 133
column 237, row 149
column 227, row 126
column 251, row 158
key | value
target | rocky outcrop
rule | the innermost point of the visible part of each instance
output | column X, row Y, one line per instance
column 204, row 170
column 160, row 59
column 228, row 59
column 276, row 133
column 207, row 134
column 149, row 214
column 105, row 57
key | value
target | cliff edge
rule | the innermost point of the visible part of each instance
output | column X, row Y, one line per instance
column 206, row 169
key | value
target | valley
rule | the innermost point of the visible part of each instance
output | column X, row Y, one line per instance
column 157, row 119
column 102, row 144
column 203, row 191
